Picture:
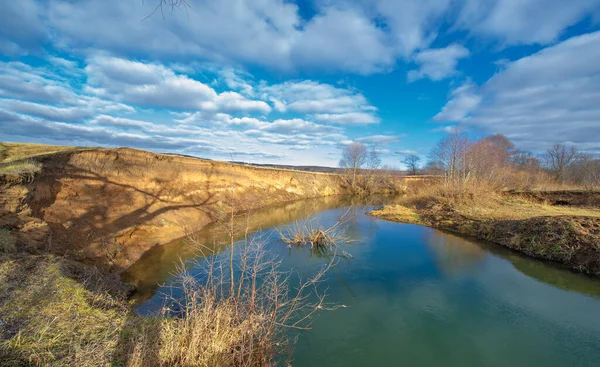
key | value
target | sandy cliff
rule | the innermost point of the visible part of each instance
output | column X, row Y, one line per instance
column 108, row 206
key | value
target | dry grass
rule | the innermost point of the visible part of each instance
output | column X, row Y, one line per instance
column 56, row 312
column 397, row 213
column 499, row 207
column 481, row 202
column 51, row 319
column 17, row 167
column 18, row 158
column 321, row 241
column 10, row 152
column 7, row 241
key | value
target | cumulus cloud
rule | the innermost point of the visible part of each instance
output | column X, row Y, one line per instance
column 155, row 85
column 523, row 21
column 548, row 97
column 328, row 103
column 350, row 118
column 215, row 124
column 413, row 24
column 437, row 63
column 22, row 30
column 343, row 39
column 463, row 100
column 348, row 35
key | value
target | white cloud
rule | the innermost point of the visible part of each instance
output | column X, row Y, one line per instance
column 18, row 80
column 349, row 118
column 154, row 85
column 92, row 114
column 343, row 39
column 548, row 97
column 437, row 63
column 343, row 35
column 22, row 30
column 328, row 103
column 406, row 152
column 523, row 21
column 463, row 100
column 413, row 24
column 379, row 139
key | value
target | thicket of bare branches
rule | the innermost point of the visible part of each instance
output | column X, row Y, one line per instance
column 495, row 163
column 363, row 172
column 238, row 306
column 168, row 7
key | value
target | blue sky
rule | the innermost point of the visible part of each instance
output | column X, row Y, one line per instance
column 274, row 81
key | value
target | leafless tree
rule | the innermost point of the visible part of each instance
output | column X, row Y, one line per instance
column 585, row 171
column 168, row 6
column 559, row 157
column 354, row 157
column 489, row 159
column 450, row 155
column 411, row 162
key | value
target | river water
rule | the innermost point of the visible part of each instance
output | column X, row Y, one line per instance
column 415, row 296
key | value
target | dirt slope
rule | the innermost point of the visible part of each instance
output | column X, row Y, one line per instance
column 108, row 206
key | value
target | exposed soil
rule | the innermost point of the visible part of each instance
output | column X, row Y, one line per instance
column 108, row 206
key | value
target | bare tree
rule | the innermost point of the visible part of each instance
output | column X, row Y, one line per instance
column 411, row 162
column 585, row 170
column 450, row 155
column 170, row 6
column 354, row 157
column 559, row 157
column 489, row 159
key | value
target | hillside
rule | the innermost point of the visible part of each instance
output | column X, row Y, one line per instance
column 109, row 206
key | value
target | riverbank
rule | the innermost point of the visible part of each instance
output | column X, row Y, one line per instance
column 72, row 219
column 107, row 207
column 528, row 222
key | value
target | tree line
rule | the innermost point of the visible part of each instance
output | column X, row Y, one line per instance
column 493, row 160
column 496, row 160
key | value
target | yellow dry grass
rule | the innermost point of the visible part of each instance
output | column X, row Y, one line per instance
column 20, row 157
column 500, row 207
column 396, row 213
column 479, row 202
column 50, row 319
column 10, row 152
column 56, row 312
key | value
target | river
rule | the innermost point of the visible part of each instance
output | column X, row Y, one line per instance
column 414, row 296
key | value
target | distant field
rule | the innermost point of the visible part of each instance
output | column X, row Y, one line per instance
column 17, row 157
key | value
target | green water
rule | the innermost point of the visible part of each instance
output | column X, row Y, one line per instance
column 419, row 297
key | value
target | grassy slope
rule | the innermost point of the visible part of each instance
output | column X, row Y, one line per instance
column 17, row 157
column 568, row 235
column 57, row 312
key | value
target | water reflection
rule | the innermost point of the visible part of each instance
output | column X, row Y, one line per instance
column 454, row 255
column 159, row 264
column 411, row 290
column 457, row 256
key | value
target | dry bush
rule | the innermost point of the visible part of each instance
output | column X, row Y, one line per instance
column 21, row 166
column 61, row 313
column 241, row 320
column 320, row 240
column 237, row 308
